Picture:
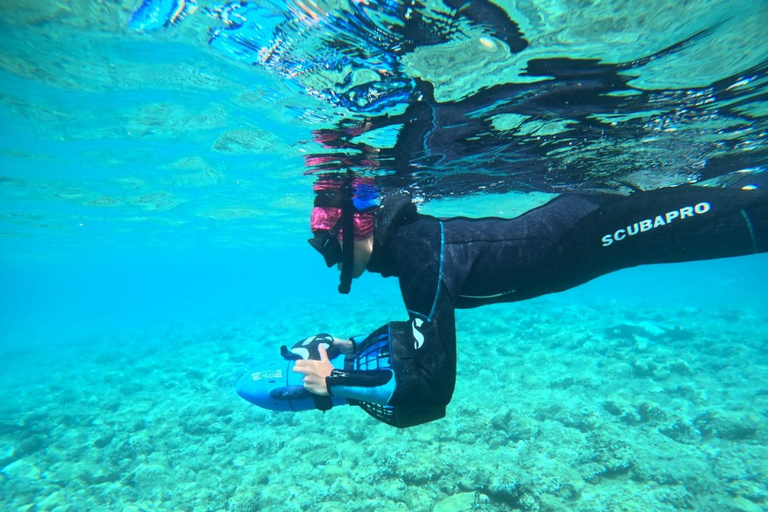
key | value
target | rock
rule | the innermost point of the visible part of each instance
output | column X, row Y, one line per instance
column 679, row 334
column 6, row 455
column 334, row 470
column 28, row 446
column 583, row 421
column 651, row 329
column 612, row 408
column 465, row 501
column 679, row 368
column 21, row 469
column 515, row 427
column 678, row 431
column 99, row 476
column 104, row 440
column 643, row 368
column 609, row 459
column 591, row 472
column 151, row 479
column 740, row 504
column 735, row 431
column 646, row 331
column 731, row 428
column 643, row 413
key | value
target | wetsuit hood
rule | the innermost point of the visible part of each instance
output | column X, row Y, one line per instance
column 394, row 210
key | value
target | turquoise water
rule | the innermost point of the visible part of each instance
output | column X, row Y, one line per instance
column 152, row 244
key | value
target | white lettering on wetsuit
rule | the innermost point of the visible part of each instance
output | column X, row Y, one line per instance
column 418, row 337
column 657, row 221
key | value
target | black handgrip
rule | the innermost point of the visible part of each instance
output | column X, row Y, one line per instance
column 309, row 349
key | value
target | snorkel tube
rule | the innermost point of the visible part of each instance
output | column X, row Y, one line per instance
column 348, row 244
column 326, row 240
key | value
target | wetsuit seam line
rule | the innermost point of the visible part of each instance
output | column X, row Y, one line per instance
column 751, row 230
column 597, row 206
column 428, row 133
column 439, row 272
column 522, row 239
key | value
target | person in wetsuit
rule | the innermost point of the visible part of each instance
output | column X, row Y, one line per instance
column 444, row 264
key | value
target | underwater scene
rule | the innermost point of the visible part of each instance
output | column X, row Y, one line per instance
column 162, row 163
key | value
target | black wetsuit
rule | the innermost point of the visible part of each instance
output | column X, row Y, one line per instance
column 444, row 264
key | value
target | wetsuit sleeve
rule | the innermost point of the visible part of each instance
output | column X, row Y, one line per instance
column 424, row 347
column 419, row 354
column 664, row 226
column 367, row 375
column 405, row 372
column 392, row 377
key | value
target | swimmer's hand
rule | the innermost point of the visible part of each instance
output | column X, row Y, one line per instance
column 315, row 372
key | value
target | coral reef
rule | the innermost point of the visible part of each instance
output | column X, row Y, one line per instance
column 575, row 410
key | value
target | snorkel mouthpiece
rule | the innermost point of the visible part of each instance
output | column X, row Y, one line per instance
column 328, row 246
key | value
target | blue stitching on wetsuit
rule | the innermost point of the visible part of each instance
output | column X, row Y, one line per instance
column 440, row 272
column 751, row 231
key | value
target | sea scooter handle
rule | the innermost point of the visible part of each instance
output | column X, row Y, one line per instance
column 275, row 386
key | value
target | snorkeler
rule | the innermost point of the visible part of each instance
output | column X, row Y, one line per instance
column 404, row 372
